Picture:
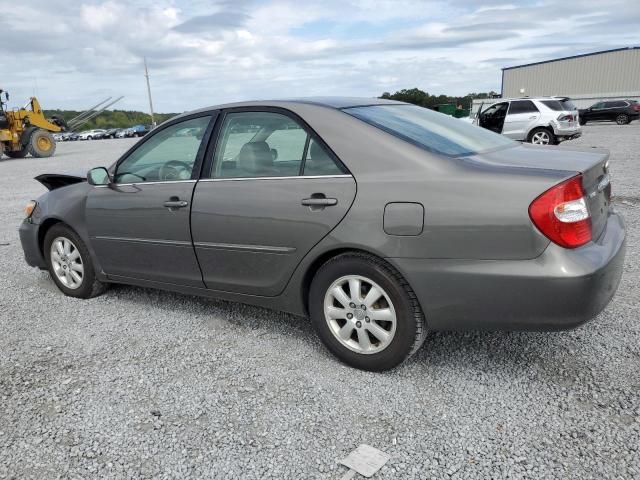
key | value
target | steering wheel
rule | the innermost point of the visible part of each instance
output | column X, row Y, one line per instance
column 175, row 170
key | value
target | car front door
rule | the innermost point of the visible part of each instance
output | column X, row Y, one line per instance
column 493, row 117
column 597, row 112
column 521, row 118
column 139, row 224
column 273, row 192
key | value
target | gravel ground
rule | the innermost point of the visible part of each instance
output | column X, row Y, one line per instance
column 146, row 384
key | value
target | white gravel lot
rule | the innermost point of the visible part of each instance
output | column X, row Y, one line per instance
column 146, row 384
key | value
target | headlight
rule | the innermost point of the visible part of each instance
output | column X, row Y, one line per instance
column 29, row 208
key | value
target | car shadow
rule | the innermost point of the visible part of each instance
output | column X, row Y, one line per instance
column 475, row 352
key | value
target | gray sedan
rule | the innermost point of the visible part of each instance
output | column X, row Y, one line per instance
column 378, row 219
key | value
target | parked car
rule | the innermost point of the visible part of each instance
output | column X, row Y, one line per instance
column 110, row 133
column 450, row 226
column 139, row 130
column 122, row 133
column 91, row 134
column 542, row 121
column 620, row 111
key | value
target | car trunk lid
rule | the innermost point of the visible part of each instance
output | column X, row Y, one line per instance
column 563, row 163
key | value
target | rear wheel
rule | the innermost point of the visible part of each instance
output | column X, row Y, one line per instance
column 542, row 136
column 17, row 153
column 622, row 119
column 583, row 121
column 365, row 312
column 41, row 144
column 70, row 264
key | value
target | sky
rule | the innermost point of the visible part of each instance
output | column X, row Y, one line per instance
column 74, row 53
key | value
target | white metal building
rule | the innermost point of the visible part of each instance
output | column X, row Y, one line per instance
column 610, row 74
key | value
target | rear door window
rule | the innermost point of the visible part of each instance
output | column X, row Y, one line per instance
column 269, row 144
column 522, row 106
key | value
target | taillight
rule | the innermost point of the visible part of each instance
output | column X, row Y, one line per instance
column 566, row 118
column 636, row 107
column 562, row 215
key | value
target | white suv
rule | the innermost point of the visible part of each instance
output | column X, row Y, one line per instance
column 543, row 121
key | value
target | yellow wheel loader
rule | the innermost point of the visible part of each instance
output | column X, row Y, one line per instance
column 27, row 130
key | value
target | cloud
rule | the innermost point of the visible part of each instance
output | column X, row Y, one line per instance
column 209, row 23
column 206, row 51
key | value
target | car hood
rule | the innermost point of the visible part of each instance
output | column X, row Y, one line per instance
column 53, row 181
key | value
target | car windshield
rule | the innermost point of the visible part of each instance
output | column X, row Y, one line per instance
column 430, row 130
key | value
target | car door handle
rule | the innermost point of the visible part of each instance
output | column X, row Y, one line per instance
column 176, row 203
column 533, row 118
column 319, row 202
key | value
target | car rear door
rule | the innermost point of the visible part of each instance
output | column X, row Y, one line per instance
column 139, row 225
column 521, row 118
column 273, row 192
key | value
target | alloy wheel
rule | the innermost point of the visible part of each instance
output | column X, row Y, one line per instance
column 360, row 314
column 67, row 262
column 541, row 138
column 621, row 119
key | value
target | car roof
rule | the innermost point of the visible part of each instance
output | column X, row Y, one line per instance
column 498, row 100
column 329, row 102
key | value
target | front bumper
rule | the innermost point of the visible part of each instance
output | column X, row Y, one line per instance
column 560, row 289
column 30, row 244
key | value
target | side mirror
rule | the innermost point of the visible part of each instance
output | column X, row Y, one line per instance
column 98, row 176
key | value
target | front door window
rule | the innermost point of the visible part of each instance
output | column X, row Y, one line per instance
column 169, row 155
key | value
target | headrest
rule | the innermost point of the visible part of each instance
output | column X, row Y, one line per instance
column 255, row 157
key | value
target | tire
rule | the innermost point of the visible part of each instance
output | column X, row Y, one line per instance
column 542, row 136
column 41, row 144
column 61, row 262
column 622, row 119
column 404, row 335
column 17, row 153
column 583, row 121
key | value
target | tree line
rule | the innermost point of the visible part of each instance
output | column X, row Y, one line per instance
column 112, row 118
column 424, row 99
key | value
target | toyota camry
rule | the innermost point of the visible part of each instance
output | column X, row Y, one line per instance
column 379, row 220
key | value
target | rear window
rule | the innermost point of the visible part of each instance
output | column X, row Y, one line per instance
column 559, row 105
column 430, row 130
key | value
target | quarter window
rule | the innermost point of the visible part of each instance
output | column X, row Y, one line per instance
column 168, row 155
column 318, row 162
column 522, row 106
column 268, row 144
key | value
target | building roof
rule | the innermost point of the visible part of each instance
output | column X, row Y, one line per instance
column 573, row 56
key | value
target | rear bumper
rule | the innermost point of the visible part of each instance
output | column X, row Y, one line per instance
column 558, row 290
column 569, row 137
column 30, row 246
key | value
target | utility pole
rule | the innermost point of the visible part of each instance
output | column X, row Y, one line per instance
column 146, row 74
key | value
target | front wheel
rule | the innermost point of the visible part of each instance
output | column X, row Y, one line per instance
column 542, row 136
column 70, row 264
column 365, row 312
column 41, row 144
column 622, row 119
